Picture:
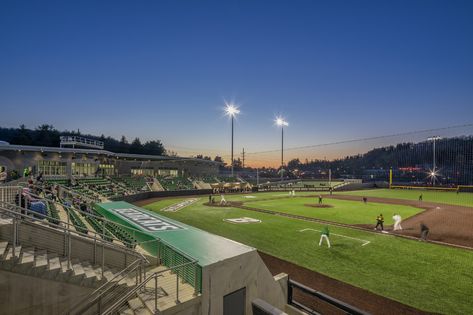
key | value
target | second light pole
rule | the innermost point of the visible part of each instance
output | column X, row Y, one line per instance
column 282, row 123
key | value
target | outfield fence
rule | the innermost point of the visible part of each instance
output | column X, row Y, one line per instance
column 438, row 157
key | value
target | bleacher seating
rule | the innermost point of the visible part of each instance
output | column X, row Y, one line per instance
column 99, row 186
column 133, row 183
column 53, row 213
column 58, row 181
column 175, row 183
column 209, row 179
column 79, row 225
column 227, row 179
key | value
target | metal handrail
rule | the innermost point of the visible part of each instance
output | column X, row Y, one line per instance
column 154, row 276
column 103, row 219
column 91, row 298
column 134, row 230
column 65, row 229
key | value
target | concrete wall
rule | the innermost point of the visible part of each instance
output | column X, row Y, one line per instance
column 247, row 270
column 159, row 194
column 20, row 294
column 53, row 240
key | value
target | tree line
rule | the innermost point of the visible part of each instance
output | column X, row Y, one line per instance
column 47, row 136
column 454, row 158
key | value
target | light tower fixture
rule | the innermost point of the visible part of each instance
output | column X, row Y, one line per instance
column 281, row 122
column 231, row 110
column 433, row 173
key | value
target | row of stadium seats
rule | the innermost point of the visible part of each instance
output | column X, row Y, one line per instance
column 136, row 183
column 53, row 213
column 79, row 225
column 176, row 183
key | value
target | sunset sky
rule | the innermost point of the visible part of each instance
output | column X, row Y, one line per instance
column 336, row 70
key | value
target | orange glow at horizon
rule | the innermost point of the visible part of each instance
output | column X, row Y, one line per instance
column 273, row 159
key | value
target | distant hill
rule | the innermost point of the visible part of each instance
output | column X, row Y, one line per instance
column 454, row 159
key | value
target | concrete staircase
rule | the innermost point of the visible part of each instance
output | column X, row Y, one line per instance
column 143, row 302
column 156, row 186
column 39, row 263
column 199, row 184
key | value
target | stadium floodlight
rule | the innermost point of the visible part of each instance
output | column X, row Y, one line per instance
column 280, row 122
column 433, row 173
column 231, row 111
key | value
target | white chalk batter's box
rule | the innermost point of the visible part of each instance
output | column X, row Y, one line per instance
column 244, row 220
column 180, row 205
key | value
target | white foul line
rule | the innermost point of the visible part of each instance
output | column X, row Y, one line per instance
column 365, row 242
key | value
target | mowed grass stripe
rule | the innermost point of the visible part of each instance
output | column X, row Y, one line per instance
column 342, row 211
column 447, row 197
column 426, row 276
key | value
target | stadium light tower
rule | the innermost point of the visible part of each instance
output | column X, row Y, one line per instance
column 433, row 174
column 280, row 122
column 231, row 111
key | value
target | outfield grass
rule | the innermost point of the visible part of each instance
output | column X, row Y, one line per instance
column 427, row 276
column 343, row 211
column 447, row 197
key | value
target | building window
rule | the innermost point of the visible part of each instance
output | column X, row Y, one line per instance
column 52, row 168
column 83, row 169
column 142, row 171
column 107, row 169
column 168, row 172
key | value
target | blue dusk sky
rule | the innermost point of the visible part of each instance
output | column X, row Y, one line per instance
column 335, row 70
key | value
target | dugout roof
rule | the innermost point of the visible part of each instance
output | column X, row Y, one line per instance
column 207, row 248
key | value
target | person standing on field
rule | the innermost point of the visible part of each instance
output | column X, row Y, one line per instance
column 424, row 231
column 320, row 199
column 324, row 235
column 379, row 222
column 222, row 200
column 397, row 222
column 420, row 197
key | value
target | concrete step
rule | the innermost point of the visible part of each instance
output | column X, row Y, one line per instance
column 3, row 247
column 7, row 259
column 27, row 256
column 90, row 278
column 77, row 268
column 54, row 263
column 128, row 281
column 108, row 274
column 17, row 255
column 54, row 266
column 41, row 259
column 25, row 262
column 126, row 310
column 138, row 306
column 65, row 272
column 40, row 263
column 98, row 273
column 78, row 273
